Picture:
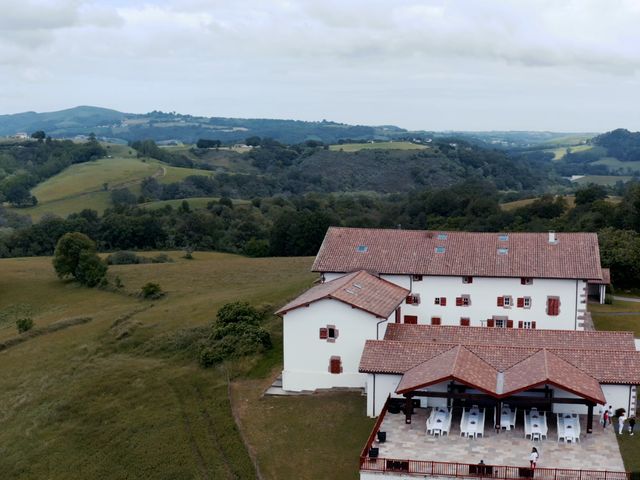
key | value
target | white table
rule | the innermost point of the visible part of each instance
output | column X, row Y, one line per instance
column 536, row 428
column 505, row 418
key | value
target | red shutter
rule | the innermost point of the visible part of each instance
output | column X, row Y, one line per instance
column 509, row 323
column 501, row 301
column 411, row 319
column 520, row 302
column 490, row 323
column 443, row 301
column 520, row 324
column 465, row 322
column 553, row 306
column 435, row 321
column 533, row 324
column 335, row 365
column 470, row 279
column 324, row 333
column 458, row 301
column 409, row 300
column 523, row 281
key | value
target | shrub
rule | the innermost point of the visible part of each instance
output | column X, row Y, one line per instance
column 24, row 324
column 75, row 256
column 151, row 290
column 123, row 257
column 238, row 312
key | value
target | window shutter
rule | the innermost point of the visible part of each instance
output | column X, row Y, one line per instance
column 509, row 323
column 435, row 321
column 533, row 324
column 335, row 365
column 490, row 322
column 553, row 306
column 520, row 324
column 324, row 333
column 458, row 301
column 501, row 301
column 335, row 333
column 443, row 301
column 470, row 279
column 411, row 319
column 409, row 300
column 465, row 322
column 523, row 281
column 520, row 302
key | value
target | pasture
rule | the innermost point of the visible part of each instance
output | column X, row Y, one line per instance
column 119, row 397
column 560, row 152
column 354, row 147
column 606, row 180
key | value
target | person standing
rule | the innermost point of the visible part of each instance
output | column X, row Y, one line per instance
column 610, row 414
column 533, row 458
column 605, row 418
column 621, row 418
column 632, row 424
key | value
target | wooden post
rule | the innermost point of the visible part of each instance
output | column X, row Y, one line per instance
column 590, row 418
column 408, row 408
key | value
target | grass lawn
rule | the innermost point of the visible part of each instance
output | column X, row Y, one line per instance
column 303, row 437
column 354, row 147
column 101, row 399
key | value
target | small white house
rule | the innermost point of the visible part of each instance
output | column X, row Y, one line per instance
column 326, row 327
column 501, row 280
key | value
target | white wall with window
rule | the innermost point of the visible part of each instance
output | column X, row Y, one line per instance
column 323, row 344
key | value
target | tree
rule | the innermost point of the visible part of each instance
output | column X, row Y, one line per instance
column 75, row 256
column 39, row 135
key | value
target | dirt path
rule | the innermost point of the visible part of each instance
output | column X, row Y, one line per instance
column 626, row 299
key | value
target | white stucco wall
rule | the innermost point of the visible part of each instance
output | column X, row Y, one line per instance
column 619, row 396
column 383, row 385
column 484, row 292
column 306, row 356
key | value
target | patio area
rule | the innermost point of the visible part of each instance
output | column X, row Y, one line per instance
column 596, row 451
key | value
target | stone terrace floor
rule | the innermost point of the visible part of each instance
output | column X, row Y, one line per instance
column 597, row 451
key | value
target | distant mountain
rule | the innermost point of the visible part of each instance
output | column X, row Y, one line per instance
column 163, row 126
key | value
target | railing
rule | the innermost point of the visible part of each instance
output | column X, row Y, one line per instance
column 376, row 427
column 502, row 472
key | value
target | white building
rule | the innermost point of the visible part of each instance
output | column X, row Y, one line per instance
column 325, row 330
column 510, row 280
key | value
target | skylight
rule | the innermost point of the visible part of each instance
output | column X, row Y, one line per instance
column 503, row 251
column 362, row 248
column 503, row 238
column 440, row 249
column 442, row 236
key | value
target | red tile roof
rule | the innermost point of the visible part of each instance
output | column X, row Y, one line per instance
column 359, row 289
column 574, row 255
column 514, row 337
column 606, row 278
column 461, row 364
column 609, row 361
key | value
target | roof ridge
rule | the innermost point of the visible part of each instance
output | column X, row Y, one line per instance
column 575, row 366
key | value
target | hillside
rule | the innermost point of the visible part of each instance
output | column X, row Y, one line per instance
column 121, row 396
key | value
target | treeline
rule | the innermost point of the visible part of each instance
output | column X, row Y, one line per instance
column 296, row 225
column 621, row 144
column 25, row 164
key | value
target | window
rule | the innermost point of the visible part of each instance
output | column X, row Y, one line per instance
column 329, row 333
column 442, row 236
column 440, row 249
column 524, row 302
column 411, row 319
column 527, row 325
column 505, row 301
column 467, row 279
column 503, row 251
column 463, row 301
column 417, row 278
column 436, row 320
column 413, row 299
column 526, row 281
column 362, row 249
column 335, row 365
column 442, row 301
column 500, row 322
column 553, row 306
column 465, row 321
column 503, row 238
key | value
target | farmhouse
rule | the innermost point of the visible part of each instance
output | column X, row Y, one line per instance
column 509, row 280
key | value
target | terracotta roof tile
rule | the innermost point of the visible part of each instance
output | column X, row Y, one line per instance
column 515, row 337
column 574, row 255
column 359, row 289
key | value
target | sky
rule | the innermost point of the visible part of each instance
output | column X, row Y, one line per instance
column 570, row 65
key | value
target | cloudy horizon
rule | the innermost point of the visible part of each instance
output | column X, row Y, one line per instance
column 434, row 65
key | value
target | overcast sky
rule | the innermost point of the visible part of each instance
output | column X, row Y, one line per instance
column 570, row 65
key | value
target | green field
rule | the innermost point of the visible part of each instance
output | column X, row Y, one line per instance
column 560, row 152
column 354, row 147
column 118, row 397
column 194, row 202
column 607, row 180
column 570, row 199
column 615, row 164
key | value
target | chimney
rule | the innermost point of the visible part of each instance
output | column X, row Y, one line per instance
column 552, row 237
